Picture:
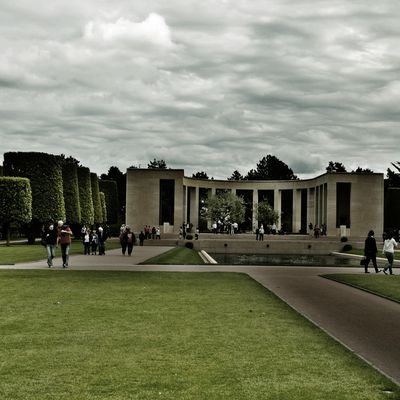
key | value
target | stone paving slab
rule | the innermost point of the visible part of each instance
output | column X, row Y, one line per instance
column 367, row 324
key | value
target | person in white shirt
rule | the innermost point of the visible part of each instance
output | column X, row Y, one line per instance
column 388, row 250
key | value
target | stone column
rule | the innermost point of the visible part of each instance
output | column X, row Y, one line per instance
column 278, row 206
column 194, row 207
column 255, row 203
column 296, row 220
column 185, row 204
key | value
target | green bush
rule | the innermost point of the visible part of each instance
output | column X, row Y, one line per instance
column 15, row 202
column 71, row 191
column 85, row 196
column 98, row 213
column 45, row 174
column 103, row 207
column 343, row 239
column 347, row 247
column 110, row 190
column 189, row 245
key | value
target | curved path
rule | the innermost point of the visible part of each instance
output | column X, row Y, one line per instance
column 367, row 324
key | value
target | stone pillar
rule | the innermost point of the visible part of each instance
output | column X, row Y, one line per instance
column 194, row 207
column 255, row 203
column 296, row 220
column 278, row 206
column 185, row 204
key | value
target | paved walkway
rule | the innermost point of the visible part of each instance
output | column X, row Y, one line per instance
column 365, row 323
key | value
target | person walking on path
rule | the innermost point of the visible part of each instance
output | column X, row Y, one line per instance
column 50, row 238
column 388, row 250
column 102, row 237
column 141, row 238
column 130, row 240
column 370, row 251
column 65, row 240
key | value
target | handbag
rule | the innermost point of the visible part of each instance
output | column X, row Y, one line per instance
column 362, row 261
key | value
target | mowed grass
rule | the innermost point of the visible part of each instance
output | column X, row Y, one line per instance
column 144, row 335
column 177, row 256
column 19, row 253
column 383, row 285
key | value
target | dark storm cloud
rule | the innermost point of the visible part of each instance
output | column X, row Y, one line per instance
column 213, row 85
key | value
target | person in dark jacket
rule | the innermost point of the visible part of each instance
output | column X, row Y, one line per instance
column 50, row 238
column 101, row 237
column 370, row 251
column 141, row 238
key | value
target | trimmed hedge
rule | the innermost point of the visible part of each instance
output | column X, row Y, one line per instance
column 98, row 214
column 103, row 207
column 85, row 196
column 15, row 202
column 110, row 190
column 45, row 175
column 1, row 170
column 71, row 192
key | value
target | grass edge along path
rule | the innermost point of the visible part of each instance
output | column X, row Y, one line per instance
column 384, row 286
column 144, row 335
column 20, row 253
column 176, row 256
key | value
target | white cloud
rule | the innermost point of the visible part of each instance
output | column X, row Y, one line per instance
column 152, row 30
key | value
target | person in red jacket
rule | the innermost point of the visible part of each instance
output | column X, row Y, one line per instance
column 65, row 241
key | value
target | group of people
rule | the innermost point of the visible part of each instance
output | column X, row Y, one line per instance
column 127, row 239
column 269, row 229
column 316, row 230
column 151, row 233
column 93, row 240
column 53, row 235
column 370, row 251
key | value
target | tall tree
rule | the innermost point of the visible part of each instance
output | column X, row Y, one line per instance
column 393, row 177
column 265, row 214
column 15, row 202
column 110, row 190
column 85, row 196
column 98, row 215
column 236, row 176
column 271, row 168
column 226, row 207
column 71, row 190
column 157, row 164
column 335, row 167
column 200, row 175
column 114, row 174
column 44, row 172
column 363, row 170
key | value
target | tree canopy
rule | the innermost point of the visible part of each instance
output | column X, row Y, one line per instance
column 200, row 175
column 157, row 164
column 265, row 214
column 271, row 168
column 15, row 202
column 236, row 176
column 335, row 167
column 226, row 207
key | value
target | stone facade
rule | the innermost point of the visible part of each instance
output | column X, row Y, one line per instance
column 351, row 200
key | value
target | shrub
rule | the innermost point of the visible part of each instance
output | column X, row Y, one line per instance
column 85, row 196
column 343, row 239
column 97, row 211
column 71, row 191
column 15, row 202
column 103, row 207
column 347, row 247
column 45, row 175
column 189, row 237
column 110, row 190
column 189, row 245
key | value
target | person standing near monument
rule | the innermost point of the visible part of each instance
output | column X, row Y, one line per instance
column 388, row 250
column 65, row 241
column 370, row 251
column 50, row 238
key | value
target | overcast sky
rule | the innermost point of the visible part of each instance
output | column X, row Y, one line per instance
column 210, row 85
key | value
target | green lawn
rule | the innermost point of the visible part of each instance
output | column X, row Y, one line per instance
column 177, row 256
column 130, row 335
column 360, row 252
column 19, row 253
column 388, row 286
